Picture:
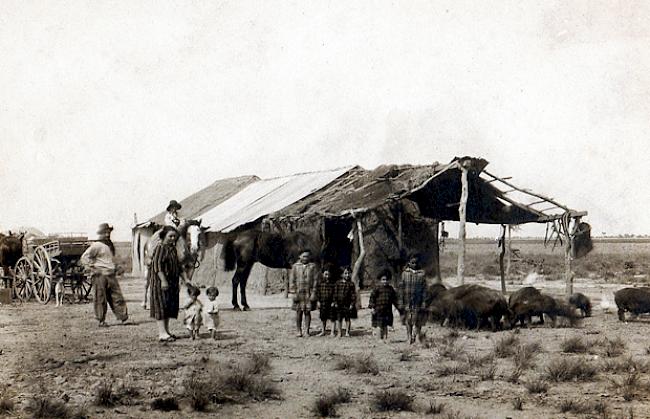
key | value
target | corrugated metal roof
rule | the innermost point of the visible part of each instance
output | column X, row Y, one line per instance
column 265, row 197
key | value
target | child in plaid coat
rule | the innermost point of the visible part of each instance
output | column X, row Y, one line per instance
column 345, row 301
column 382, row 300
column 412, row 299
column 325, row 298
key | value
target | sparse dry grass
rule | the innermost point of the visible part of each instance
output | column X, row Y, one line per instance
column 454, row 368
column 536, row 386
column 435, row 408
column 584, row 407
column 393, row 401
column 574, row 345
column 570, row 369
column 625, row 365
column 488, row 371
column 518, row 403
column 361, row 364
column 524, row 356
column 45, row 407
column 506, row 346
column 325, row 405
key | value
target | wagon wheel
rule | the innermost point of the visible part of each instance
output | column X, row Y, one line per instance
column 23, row 279
column 43, row 275
column 85, row 285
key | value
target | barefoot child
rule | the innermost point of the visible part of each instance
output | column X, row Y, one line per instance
column 325, row 297
column 345, row 301
column 193, row 310
column 382, row 300
column 412, row 293
column 212, row 311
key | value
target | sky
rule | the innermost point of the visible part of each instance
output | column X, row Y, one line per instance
column 111, row 108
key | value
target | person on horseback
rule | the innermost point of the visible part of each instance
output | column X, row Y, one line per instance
column 171, row 217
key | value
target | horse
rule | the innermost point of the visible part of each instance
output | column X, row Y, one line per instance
column 190, row 248
column 241, row 251
column 11, row 249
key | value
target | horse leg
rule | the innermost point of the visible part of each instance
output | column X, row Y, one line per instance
column 242, row 286
column 235, row 282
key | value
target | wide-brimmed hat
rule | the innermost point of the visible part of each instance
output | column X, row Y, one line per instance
column 173, row 204
column 104, row 227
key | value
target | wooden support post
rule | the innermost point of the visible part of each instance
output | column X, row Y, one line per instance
column 462, row 217
column 436, row 237
column 568, row 275
column 502, row 246
column 509, row 252
column 358, row 263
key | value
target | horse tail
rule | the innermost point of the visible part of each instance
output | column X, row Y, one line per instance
column 228, row 255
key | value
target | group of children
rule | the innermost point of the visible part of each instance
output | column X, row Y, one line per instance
column 338, row 302
column 196, row 312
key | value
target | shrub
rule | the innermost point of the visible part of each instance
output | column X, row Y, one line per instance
column 325, row 405
column 435, row 408
column 198, row 393
column 45, row 407
column 518, row 403
column 104, row 395
column 524, row 356
column 572, row 406
column 625, row 365
column 452, row 369
column 574, row 344
column 536, row 386
column 505, row 346
column 361, row 364
column 476, row 361
column 614, row 347
column 258, row 363
column 393, row 401
column 6, row 405
column 570, row 369
column 488, row 372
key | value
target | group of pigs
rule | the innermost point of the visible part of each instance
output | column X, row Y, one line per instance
column 474, row 306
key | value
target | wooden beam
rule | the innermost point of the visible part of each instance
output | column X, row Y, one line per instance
column 572, row 214
column 502, row 246
column 399, row 227
column 462, row 218
column 358, row 264
column 509, row 259
column 526, row 191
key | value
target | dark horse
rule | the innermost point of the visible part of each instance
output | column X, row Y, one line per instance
column 270, row 249
column 11, row 249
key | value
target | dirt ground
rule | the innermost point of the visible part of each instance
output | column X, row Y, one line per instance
column 62, row 353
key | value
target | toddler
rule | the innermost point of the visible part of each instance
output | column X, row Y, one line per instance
column 212, row 311
column 193, row 310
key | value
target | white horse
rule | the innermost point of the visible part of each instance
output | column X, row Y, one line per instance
column 190, row 248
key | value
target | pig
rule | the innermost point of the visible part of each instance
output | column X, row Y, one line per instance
column 634, row 300
column 582, row 303
column 471, row 306
column 538, row 304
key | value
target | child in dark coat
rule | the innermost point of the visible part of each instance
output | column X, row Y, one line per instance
column 345, row 301
column 382, row 300
column 325, row 298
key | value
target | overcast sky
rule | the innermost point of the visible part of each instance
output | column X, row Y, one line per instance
column 110, row 108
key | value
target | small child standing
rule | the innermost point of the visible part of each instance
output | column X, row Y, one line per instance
column 212, row 311
column 382, row 300
column 193, row 310
column 325, row 298
column 345, row 300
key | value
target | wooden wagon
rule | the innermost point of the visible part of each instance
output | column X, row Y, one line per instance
column 48, row 260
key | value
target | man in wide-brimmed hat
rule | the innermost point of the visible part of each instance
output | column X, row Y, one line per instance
column 99, row 260
column 171, row 218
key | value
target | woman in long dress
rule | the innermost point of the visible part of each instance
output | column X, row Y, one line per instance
column 164, row 277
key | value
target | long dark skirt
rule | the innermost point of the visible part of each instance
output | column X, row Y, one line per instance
column 164, row 303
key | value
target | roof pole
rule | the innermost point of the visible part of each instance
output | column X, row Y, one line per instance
column 462, row 216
